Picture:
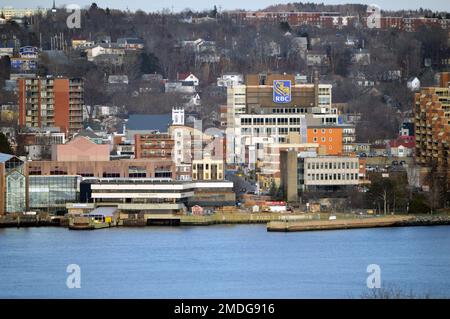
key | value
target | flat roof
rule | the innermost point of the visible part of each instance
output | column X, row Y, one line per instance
column 157, row 122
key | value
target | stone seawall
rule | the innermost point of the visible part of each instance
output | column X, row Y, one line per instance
column 355, row 223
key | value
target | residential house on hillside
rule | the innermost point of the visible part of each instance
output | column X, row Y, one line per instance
column 152, row 77
column 299, row 45
column 201, row 20
column 361, row 57
column 317, row 58
column 230, row 79
column 199, row 45
column 80, row 43
column 130, row 43
column 179, row 87
column 361, row 79
column 390, row 76
column 403, row 146
column 407, row 129
column 106, row 52
column 188, row 77
column 205, row 51
column 272, row 49
column 117, row 83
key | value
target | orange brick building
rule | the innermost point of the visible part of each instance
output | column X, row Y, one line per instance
column 51, row 102
column 432, row 123
column 329, row 138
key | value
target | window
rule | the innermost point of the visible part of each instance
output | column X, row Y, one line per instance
column 137, row 171
column 283, row 130
column 86, row 174
column 58, row 171
column 111, row 174
column 163, row 174
column 270, row 121
column 34, row 171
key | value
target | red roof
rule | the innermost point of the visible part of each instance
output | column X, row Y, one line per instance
column 405, row 141
column 183, row 76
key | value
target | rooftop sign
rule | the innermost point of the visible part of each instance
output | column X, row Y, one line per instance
column 282, row 91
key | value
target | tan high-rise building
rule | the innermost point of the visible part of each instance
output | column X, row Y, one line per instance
column 432, row 123
column 51, row 102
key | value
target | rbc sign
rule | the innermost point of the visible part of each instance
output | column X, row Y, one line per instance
column 282, row 91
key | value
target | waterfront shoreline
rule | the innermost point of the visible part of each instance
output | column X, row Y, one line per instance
column 274, row 222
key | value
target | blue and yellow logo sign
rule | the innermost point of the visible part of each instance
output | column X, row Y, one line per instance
column 282, row 91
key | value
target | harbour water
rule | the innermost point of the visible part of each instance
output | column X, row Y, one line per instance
column 239, row 261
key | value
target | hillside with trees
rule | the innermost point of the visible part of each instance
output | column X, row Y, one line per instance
column 245, row 48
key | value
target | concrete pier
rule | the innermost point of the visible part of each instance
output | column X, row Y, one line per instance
column 355, row 223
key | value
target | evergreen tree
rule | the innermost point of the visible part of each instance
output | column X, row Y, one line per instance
column 4, row 145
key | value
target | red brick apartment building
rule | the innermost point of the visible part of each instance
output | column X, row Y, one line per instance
column 153, row 146
column 51, row 102
column 335, row 20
